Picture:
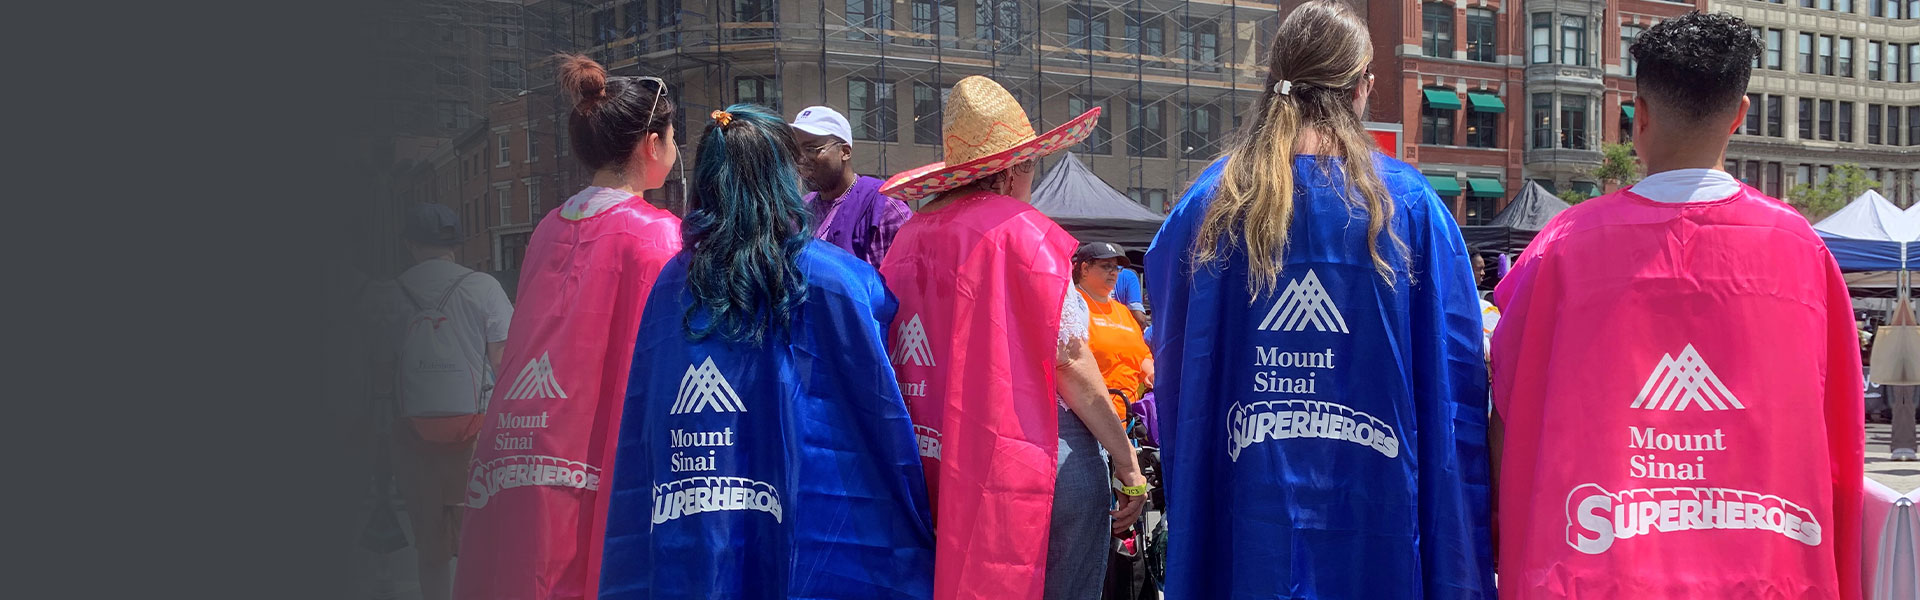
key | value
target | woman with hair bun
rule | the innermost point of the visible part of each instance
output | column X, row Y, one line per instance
column 535, row 505
column 765, row 450
column 1320, row 387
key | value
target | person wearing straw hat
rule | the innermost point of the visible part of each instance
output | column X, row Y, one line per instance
column 990, row 349
column 1320, row 387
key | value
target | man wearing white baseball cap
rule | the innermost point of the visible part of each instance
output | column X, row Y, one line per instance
column 848, row 206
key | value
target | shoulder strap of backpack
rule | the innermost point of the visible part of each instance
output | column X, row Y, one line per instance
column 448, row 295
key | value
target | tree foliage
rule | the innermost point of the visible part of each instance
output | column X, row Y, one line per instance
column 1816, row 201
column 1572, row 197
column 1618, row 164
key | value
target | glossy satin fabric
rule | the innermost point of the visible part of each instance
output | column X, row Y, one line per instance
column 534, row 511
column 1681, row 391
column 980, row 283
column 1326, row 440
column 786, row 470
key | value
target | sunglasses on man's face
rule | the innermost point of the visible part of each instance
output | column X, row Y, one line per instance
column 818, row 150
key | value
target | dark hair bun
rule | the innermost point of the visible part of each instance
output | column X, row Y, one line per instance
column 584, row 77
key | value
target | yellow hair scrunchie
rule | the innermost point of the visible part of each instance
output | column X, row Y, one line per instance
column 722, row 117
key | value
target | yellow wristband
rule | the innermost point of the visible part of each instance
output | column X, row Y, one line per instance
column 1134, row 490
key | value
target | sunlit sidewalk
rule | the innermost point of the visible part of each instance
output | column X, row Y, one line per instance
column 1902, row 476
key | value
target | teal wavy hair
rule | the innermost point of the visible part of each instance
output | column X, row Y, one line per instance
column 746, row 228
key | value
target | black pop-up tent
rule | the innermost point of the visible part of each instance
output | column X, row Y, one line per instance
column 1091, row 210
column 1512, row 229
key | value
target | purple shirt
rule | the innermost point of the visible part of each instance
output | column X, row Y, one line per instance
column 860, row 221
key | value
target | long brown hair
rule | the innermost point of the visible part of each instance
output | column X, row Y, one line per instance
column 1321, row 53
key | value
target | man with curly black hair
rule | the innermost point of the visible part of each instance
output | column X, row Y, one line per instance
column 1676, row 377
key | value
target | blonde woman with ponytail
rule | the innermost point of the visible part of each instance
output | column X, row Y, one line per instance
column 1320, row 387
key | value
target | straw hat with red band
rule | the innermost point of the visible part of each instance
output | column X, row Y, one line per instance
column 985, row 132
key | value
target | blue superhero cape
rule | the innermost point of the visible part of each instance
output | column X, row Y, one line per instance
column 1326, row 440
column 788, row 470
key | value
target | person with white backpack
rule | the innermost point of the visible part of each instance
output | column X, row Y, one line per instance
column 455, row 331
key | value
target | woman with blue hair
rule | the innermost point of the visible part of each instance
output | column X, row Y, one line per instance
column 765, row 451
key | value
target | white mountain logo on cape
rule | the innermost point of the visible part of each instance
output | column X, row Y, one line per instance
column 703, row 387
column 1303, row 304
column 912, row 347
column 1677, row 383
column 536, row 381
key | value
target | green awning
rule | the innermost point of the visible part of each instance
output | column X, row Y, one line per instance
column 1485, row 188
column 1444, row 185
column 1486, row 103
column 1442, row 99
column 1627, row 109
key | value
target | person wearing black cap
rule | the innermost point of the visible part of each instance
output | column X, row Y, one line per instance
column 1118, row 345
column 469, row 313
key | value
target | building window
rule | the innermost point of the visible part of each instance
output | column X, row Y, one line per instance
column 764, row 91
column 1805, row 49
column 505, row 74
column 1145, row 36
column 636, row 18
column 1843, row 6
column 1627, row 35
column 1573, row 122
column 1483, row 129
column 1480, row 35
column 872, row 110
column 448, row 71
column 1913, row 62
column 1775, row 122
column 533, row 200
column 1626, row 122
column 506, row 205
column 1913, row 126
column 1803, row 174
column 1772, row 187
column 1751, row 176
column 1806, row 118
column 1573, row 41
column 938, row 18
column 533, row 146
column 1542, row 120
column 1542, row 39
column 1826, row 55
column 1436, row 122
column 1152, row 198
column 505, row 32
column 1146, row 133
column 998, row 23
column 1826, row 120
column 504, row 150
column 1893, row 127
column 1087, row 30
column 453, row 114
column 1775, row 46
column 1436, row 29
column 1101, row 140
column 1479, row 210
column 1755, row 103
column 929, row 112
column 1200, row 44
column 1873, row 123
column 669, row 20
column 604, row 29
column 1893, row 62
column 1202, row 132
column 756, row 11
column 1845, row 54
column 865, row 16
column 1873, row 61
column 1846, row 121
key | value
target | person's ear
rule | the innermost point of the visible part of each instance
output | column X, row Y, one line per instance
column 1740, row 118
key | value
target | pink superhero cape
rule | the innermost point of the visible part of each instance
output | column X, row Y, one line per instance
column 535, row 507
column 1680, row 387
column 980, row 284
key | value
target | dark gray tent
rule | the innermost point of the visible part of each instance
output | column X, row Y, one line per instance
column 1091, row 210
column 1512, row 229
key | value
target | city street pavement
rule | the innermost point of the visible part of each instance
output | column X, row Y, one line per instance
column 1902, row 476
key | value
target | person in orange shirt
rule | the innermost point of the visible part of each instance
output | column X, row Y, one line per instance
column 1118, row 345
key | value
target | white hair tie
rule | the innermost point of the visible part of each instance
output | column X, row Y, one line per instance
column 1283, row 87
